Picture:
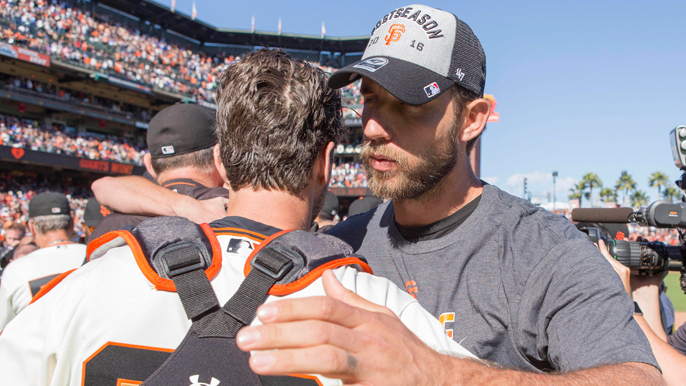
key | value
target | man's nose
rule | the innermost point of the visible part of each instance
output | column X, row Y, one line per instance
column 376, row 128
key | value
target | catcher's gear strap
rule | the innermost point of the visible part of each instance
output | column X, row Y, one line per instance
column 209, row 348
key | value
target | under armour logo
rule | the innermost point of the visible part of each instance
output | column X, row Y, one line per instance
column 394, row 33
column 194, row 381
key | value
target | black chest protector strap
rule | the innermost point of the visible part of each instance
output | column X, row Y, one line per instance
column 209, row 355
column 184, row 262
column 269, row 266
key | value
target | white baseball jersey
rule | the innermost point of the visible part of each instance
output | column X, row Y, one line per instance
column 24, row 277
column 116, row 316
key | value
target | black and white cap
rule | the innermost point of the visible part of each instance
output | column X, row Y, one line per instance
column 181, row 129
column 417, row 53
column 49, row 204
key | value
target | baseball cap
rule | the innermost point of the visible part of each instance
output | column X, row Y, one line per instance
column 180, row 129
column 94, row 212
column 417, row 53
column 364, row 204
column 48, row 204
column 330, row 208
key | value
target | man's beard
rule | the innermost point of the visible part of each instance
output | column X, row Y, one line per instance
column 412, row 178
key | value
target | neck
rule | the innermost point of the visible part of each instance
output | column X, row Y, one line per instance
column 50, row 238
column 456, row 190
column 206, row 179
column 279, row 209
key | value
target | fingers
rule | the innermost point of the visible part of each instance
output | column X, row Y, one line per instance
column 312, row 308
column 326, row 360
column 301, row 334
column 623, row 272
column 336, row 290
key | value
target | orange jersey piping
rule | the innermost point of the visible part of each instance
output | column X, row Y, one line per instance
column 310, row 277
column 50, row 285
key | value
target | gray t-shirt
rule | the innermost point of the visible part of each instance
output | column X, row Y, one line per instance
column 514, row 284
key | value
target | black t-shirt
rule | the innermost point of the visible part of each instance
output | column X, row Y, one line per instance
column 441, row 227
column 187, row 187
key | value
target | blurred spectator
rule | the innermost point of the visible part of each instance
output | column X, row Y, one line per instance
column 17, row 189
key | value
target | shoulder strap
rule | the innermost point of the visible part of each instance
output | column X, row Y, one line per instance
column 179, row 249
column 271, row 264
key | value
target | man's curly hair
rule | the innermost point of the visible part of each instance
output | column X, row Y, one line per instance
column 275, row 114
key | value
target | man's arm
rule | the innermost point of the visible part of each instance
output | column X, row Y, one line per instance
column 646, row 294
column 137, row 195
column 344, row 336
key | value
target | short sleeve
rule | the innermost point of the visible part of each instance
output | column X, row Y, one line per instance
column 678, row 339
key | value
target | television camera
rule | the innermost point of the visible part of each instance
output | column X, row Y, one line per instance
column 647, row 258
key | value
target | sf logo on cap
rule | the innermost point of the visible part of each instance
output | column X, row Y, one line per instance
column 394, row 33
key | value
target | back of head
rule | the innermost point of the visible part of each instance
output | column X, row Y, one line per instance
column 94, row 212
column 182, row 135
column 274, row 116
column 330, row 208
column 50, row 212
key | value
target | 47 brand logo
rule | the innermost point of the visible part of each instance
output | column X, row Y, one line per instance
column 394, row 33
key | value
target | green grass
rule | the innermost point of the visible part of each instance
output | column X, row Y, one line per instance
column 674, row 291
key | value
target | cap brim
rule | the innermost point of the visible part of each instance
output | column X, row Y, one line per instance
column 412, row 84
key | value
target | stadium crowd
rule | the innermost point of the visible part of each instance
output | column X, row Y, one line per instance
column 28, row 133
column 65, row 95
column 348, row 175
column 99, row 43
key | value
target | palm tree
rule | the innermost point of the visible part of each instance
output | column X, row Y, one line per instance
column 639, row 199
column 591, row 180
column 671, row 193
column 579, row 189
column 625, row 183
column 575, row 195
column 608, row 195
column 659, row 180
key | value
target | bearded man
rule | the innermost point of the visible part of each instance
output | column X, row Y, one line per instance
column 513, row 283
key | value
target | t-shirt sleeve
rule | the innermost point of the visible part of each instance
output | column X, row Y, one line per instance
column 579, row 311
column 678, row 339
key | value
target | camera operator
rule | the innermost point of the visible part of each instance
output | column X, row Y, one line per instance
column 645, row 290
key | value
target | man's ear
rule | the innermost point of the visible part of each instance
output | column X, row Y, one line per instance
column 218, row 164
column 32, row 229
column 323, row 165
column 475, row 119
column 147, row 161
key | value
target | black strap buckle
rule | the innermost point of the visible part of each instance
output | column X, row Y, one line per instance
column 182, row 257
column 273, row 263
